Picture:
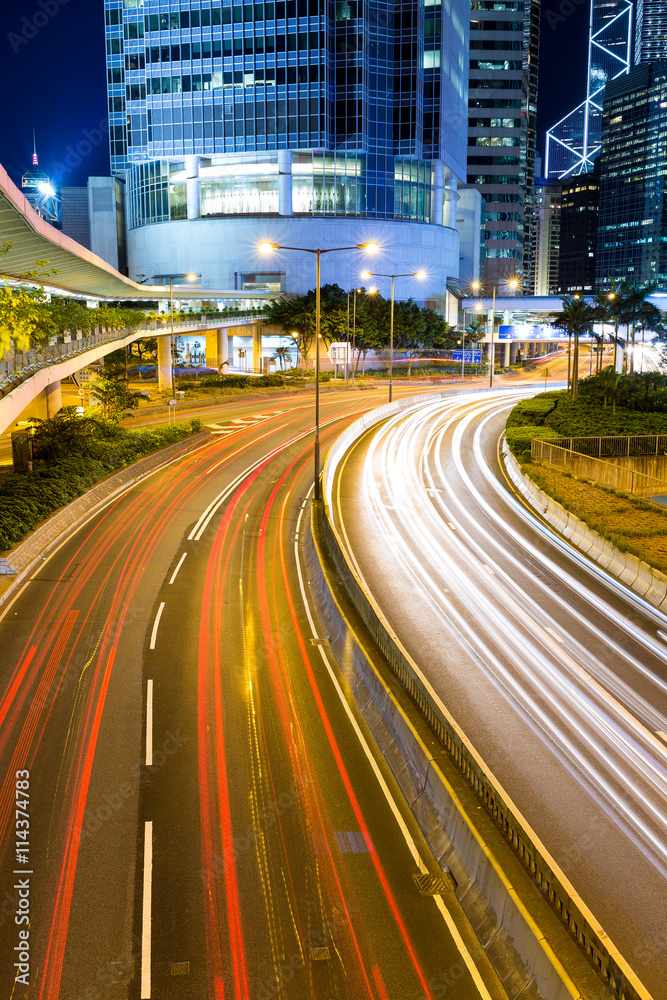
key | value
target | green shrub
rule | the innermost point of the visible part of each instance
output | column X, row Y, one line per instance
column 27, row 500
column 270, row 380
column 531, row 412
column 519, row 439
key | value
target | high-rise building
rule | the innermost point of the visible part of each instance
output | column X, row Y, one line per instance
column 574, row 142
column 578, row 233
column 650, row 31
column 239, row 123
column 41, row 192
column 502, row 103
column 546, row 237
column 94, row 216
column 632, row 223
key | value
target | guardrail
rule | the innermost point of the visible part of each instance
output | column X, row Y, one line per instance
column 618, row 477
column 13, row 373
column 617, row 446
column 546, row 874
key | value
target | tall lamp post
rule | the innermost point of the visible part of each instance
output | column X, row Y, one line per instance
column 513, row 284
column 409, row 274
column 188, row 277
column 267, row 247
column 356, row 291
column 475, row 288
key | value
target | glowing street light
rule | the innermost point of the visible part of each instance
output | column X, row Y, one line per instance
column 375, row 274
column 267, row 247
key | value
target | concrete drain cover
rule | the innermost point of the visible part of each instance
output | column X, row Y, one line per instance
column 319, row 954
column 318, row 642
column 179, row 969
column 435, row 885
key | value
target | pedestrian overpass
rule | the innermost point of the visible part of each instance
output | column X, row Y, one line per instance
column 30, row 383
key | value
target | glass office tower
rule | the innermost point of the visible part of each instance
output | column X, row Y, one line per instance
column 632, row 221
column 234, row 123
column 573, row 143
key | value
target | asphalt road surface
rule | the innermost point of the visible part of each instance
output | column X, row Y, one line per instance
column 188, row 805
column 556, row 672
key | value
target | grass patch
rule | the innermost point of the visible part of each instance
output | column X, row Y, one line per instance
column 630, row 523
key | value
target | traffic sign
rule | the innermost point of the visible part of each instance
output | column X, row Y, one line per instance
column 468, row 357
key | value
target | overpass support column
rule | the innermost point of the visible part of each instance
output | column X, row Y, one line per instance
column 514, row 348
column 164, row 363
column 257, row 347
column 223, row 348
column 53, row 398
column 505, row 356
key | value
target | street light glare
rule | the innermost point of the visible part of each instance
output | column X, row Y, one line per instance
column 420, row 274
column 366, row 274
column 369, row 247
column 266, row 247
column 191, row 277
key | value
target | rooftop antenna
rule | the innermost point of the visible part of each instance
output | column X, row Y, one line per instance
column 35, row 161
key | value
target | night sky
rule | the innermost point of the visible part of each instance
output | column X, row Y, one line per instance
column 55, row 83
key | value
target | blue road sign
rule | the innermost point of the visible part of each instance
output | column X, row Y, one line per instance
column 468, row 357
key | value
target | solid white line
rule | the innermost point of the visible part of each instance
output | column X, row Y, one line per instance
column 146, row 912
column 180, row 563
column 149, row 723
column 407, row 836
column 156, row 624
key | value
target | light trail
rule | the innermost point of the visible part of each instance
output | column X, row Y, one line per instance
column 495, row 597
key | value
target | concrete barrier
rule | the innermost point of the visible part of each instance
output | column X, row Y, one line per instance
column 646, row 581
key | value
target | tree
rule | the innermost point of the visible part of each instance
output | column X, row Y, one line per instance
column 20, row 308
column 576, row 318
column 283, row 354
column 113, row 393
column 146, row 345
column 636, row 311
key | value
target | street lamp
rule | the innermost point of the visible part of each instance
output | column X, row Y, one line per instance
column 266, row 247
column 512, row 284
column 357, row 291
column 376, row 274
column 188, row 277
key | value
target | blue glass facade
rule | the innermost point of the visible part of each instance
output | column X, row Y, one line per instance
column 370, row 98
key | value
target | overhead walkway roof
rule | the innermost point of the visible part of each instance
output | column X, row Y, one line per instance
column 81, row 272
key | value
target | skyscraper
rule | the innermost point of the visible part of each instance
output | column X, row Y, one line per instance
column 238, row 123
column 632, row 223
column 502, row 108
column 574, row 141
column 650, row 30
column 546, row 237
column 578, row 233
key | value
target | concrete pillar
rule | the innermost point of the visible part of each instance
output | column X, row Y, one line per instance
column 53, row 398
column 505, row 355
column 212, row 348
column 451, row 197
column 192, row 186
column 223, row 347
column 164, row 363
column 284, row 182
column 437, row 189
column 257, row 347
column 514, row 350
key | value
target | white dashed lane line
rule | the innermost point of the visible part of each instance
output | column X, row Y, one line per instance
column 156, row 624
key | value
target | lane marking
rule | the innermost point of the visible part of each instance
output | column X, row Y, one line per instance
column 407, row 836
column 146, row 912
column 180, row 563
column 149, row 723
column 156, row 624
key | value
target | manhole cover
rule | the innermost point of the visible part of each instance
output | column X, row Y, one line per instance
column 179, row 969
column 318, row 642
column 435, row 885
column 319, row 954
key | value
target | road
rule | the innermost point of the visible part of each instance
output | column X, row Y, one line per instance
column 556, row 673
column 202, row 815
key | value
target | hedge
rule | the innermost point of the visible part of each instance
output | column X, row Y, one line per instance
column 28, row 499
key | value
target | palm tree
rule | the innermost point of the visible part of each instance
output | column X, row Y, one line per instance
column 637, row 311
column 282, row 353
column 577, row 318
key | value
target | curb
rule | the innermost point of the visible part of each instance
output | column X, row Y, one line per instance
column 22, row 560
column 636, row 574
